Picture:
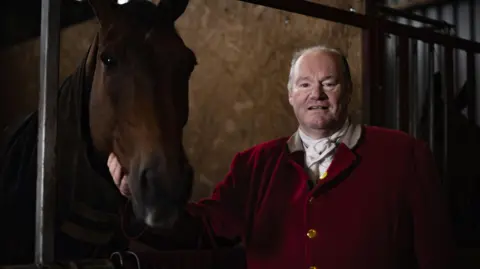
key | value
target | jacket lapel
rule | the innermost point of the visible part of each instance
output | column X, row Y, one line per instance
column 343, row 161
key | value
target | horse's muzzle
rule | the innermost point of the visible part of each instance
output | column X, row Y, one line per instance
column 159, row 197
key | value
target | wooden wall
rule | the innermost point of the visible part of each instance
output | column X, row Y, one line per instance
column 238, row 90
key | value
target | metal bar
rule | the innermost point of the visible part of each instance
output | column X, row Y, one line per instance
column 448, row 89
column 365, row 21
column 413, row 89
column 438, row 10
column 367, row 82
column 455, row 16
column 396, row 86
column 409, row 5
column 77, row 264
column 471, row 83
column 318, row 11
column 47, row 131
column 471, row 69
column 427, row 35
column 404, row 84
column 373, row 83
column 456, row 52
column 380, row 78
column 413, row 16
column 368, row 67
column 471, row 15
column 431, row 97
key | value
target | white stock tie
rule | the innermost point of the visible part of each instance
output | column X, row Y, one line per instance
column 319, row 153
column 318, row 157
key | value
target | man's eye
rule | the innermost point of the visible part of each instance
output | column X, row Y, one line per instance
column 329, row 84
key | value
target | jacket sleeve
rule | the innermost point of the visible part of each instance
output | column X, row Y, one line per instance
column 433, row 235
column 221, row 215
column 226, row 209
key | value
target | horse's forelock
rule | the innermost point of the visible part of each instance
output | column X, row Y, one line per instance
column 91, row 61
column 142, row 14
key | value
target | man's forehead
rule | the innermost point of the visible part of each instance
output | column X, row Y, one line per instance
column 320, row 57
column 316, row 61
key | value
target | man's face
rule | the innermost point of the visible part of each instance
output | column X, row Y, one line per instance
column 320, row 94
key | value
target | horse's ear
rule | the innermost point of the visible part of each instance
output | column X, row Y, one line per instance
column 173, row 8
column 103, row 10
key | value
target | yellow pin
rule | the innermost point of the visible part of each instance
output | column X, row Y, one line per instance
column 324, row 175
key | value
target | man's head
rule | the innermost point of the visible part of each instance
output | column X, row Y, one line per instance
column 319, row 90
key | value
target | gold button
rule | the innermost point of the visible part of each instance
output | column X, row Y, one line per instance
column 312, row 267
column 310, row 200
column 324, row 175
column 311, row 233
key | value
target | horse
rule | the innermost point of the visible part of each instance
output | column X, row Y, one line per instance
column 129, row 95
column 463, row 174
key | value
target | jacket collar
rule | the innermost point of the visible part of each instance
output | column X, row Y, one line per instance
column 350, row 139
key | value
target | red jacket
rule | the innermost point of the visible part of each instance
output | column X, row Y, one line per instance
column 379, row 207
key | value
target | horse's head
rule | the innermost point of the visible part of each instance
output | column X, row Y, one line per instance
column 139, row 102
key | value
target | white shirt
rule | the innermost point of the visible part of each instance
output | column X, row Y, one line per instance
column 319, row 152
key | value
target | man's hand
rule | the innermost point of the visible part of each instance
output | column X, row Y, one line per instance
column 119, row 177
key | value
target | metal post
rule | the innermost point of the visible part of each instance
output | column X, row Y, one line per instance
column 47, row 131
column 448, row 93
column 471, row 87
column 403, row 96
column 431, row 97
column 414, row 87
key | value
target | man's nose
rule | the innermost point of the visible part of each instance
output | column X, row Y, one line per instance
column 319, row 93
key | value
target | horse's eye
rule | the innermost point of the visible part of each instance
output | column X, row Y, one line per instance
column 108, row 60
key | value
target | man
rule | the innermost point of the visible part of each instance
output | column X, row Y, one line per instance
column 334, row 195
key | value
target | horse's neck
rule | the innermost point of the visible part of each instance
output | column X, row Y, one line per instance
column 90, row 202
column 76, row 175
column 82, row 184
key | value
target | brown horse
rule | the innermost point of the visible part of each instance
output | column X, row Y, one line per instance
column 129, row 96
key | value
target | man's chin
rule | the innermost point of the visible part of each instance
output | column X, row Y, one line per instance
column 320, row 124
column 324, row 125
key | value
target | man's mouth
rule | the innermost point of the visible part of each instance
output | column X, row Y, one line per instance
column 317, row 107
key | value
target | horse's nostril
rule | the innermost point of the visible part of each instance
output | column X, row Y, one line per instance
column 146, row 177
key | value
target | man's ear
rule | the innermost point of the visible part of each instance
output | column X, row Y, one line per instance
column 290, row 97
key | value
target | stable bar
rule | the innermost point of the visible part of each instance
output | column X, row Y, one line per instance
column 413, row 89
column 77, row 264
column 318, row 11
column 418, row 4
column 379, row 91
column 427, row 35
column 395, row 85
column 471, row 15
column 413, row 16
column 366, row 21
column 368, row 67
column 404, row 85
column 47, row 131
column 471, row 84
column 448, row 90
column 431, row 97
